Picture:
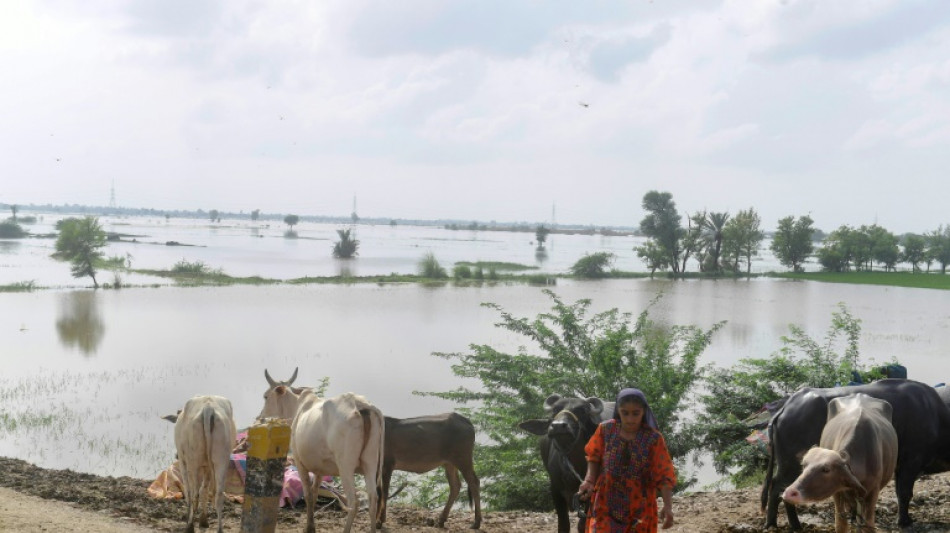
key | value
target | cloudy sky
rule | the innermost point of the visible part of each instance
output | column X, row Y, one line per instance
column 482, row 109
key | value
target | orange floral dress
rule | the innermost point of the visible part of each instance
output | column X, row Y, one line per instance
column 631, row 471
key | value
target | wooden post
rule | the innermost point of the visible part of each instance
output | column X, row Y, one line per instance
column 268, row 442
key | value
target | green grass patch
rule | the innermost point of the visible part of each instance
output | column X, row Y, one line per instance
column 893, row 279
column 497, row 265
column 20, row 286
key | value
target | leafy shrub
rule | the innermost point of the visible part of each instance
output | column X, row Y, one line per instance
column 733, row 394
column 575, row 356
column 11, row 230
column 429, row 267
column 347, row 246
column 462, row 272
column 185, row 267
column 478, row 273
column 592, row 265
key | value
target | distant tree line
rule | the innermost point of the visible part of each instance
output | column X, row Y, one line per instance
column 720, row 242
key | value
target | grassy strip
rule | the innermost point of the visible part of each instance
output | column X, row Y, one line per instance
column 497, row 265
column 212, row 278
column 892, row 279
column 20, row 286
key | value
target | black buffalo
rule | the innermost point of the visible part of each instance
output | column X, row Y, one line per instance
column 921, row 421
column 563, row 436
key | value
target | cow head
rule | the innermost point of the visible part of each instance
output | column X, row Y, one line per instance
column 571, row 420
column 824, row 472
column 280, row 399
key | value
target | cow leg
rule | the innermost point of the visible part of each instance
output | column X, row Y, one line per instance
column 372, row 490
column 870, row 505
column 384, row 498
column 190, row 481
column 560, row 507
column 349, row 488
column 841, row 513
column 455, row 486
column 474, row 491
column 904, row 486
column 205, row 495
column 309, row 495
column 220, row 475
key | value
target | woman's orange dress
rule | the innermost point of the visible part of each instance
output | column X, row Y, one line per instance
column 631, row 471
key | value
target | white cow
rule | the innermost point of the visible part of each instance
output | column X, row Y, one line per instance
column 339, row 437
column 204, row 437
column 281, row 399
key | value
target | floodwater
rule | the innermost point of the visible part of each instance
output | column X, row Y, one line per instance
column 87, row 374
column 243, row 248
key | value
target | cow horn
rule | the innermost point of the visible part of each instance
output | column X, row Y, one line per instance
column 596, row 405
column 270, row 380
column 293, row 377
column 549, row 403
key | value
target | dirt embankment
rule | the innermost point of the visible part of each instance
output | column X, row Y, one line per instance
column 37, row 499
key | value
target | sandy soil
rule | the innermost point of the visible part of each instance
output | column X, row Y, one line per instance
column 38, row 500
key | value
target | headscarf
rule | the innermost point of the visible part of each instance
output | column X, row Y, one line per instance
column 648, row 416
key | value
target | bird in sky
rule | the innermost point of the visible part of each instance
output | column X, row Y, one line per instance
column 583, row 104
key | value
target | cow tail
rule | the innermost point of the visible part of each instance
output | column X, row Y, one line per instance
column 207, row 419
column 770, row 469
column 378, row 415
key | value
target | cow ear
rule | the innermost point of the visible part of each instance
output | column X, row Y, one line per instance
column 535, row 426
column 549, row 403
column 845, row 457
column 596, row 407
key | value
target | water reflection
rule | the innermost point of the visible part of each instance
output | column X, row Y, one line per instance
column 540, row 255
column 9, row 247
column 80, row 323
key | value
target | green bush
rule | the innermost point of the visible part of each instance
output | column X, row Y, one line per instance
column 347, row 246
column 429, row 267
column 733, row 394
column 11, row 230
column 461, row 272
column 578, row 356
column 186, row 267
column 593, row 265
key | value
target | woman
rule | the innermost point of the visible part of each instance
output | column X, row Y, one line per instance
column 627, row 463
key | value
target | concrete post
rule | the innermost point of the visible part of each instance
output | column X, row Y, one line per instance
column 268, row 442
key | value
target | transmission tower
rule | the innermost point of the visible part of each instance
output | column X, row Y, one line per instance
column 112, row 195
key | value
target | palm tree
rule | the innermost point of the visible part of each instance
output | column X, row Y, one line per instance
column 714, row 224
column 346, row 247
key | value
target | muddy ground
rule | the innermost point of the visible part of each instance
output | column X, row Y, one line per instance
column 124, row 500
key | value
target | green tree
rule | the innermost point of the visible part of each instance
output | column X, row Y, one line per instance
column 883, row 247
column 714, row 225
column 732, row 394
column 347, row 246
column 592, row 265
column 14, row 209
column 792, row 243
column 9, row 229
column 541, row 235
column 741, row 238
column 213, row 215
column 653, row 257
column 291, row 220
column 694, row 241
column 938, row 246
column 429, row 267
column 80, row 242
column 662, row 225
column 914, row 250
column 570, row 354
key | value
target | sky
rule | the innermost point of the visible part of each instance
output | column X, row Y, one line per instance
column 557, row 111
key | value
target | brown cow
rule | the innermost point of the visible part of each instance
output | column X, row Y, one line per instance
column 856, row 457
column 415, row 445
